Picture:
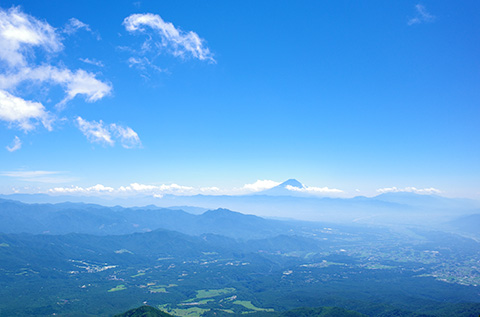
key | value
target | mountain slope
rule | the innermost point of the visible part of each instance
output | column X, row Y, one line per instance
column 16, row 217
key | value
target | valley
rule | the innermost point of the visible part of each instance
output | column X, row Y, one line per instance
column 368, row 269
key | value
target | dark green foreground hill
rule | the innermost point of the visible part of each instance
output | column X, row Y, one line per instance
column 144, row 311
column 148, row 311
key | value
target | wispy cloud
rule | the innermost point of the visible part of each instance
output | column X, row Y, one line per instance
column 21, row 37
column 49, row 177
column 143, row 63
column 427, row 191
column 95, row 132
column 79, row 82
column 99, row 132
column 74, row 24
column 422, row 16
column 16, row 144
column 28, row 174
column 164, row 36
column 20, row 33
column 92, row 62
column 128, row 138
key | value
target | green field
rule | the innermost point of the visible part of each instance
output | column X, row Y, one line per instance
column 117, row 288
column 248, row 304
column 139, row 274
column 205, row 293
column 193, row 311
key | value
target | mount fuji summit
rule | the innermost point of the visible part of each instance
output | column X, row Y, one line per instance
column 291, row 187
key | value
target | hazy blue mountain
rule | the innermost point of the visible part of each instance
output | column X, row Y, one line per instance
column 189, row 209
column 279, row 202
column 466, row 224
column 17, row 217
column 54, row 199
column 358, row 209
column 428, row 201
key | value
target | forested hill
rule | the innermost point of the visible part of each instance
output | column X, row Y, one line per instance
column 148, row 311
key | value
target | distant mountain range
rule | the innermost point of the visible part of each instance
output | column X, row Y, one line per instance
column 81, row 259
column 64, row 218
column 288, row 200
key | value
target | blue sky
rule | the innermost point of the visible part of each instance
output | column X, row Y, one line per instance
column 349, row 98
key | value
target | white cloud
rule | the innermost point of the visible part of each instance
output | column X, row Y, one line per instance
column 127, row 136
column 84, row 83
column 92, row 62
column 426, row 191
column 160, row 190
column 314, row 190
column 99, row 132
column 22, row 112
column 157, row 189
column 422, row 15
column 20, row 32
column 20, row 35
column 260, row 185
column 132, row 189
column 181, row 190
column 16, row 145
column 172, row 39
column 212, row 189
column 99, row 188
column 95, row 132
column 174, row 187
column 65, row 190
column 138, row 187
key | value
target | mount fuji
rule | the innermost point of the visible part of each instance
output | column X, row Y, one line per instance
column 291, row 187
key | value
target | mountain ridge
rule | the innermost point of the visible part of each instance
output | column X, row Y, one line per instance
column 280, row 202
